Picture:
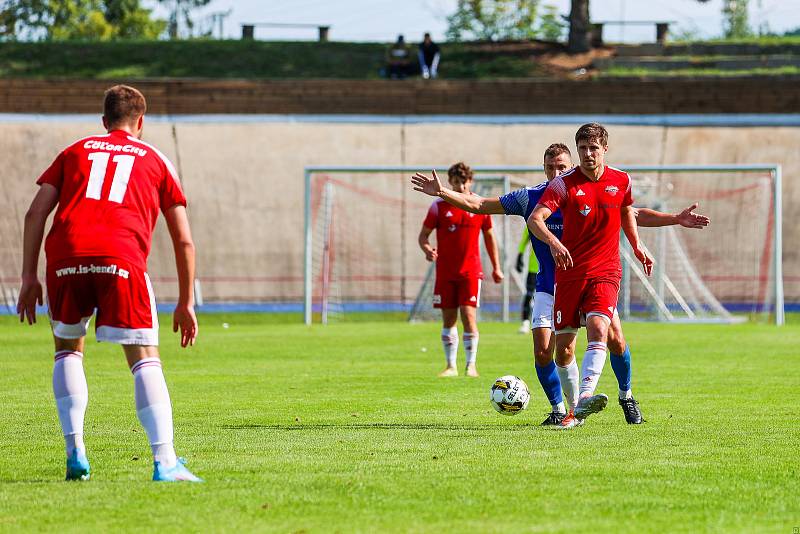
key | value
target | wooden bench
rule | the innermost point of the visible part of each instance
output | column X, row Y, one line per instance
column 248, row 30
column 662, row 29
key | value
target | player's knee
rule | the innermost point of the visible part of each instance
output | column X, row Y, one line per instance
column 542, row 356
column 616, row 345
column 564, row 356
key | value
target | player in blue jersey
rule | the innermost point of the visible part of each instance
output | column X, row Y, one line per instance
column 557, row 159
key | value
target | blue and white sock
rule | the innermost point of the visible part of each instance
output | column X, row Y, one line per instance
column 621, row 364
column 548, row 378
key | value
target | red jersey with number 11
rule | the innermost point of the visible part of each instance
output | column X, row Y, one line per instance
column 111, row 188
column 592, row 212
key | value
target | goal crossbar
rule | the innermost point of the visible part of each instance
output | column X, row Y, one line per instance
column 773, row 169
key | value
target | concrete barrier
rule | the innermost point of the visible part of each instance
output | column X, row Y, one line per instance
column 244, row 181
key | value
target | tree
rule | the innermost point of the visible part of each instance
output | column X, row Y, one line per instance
column 181, row 13
column 551, row 24
column 77, row 19
column 493, row 20
column 579, row 27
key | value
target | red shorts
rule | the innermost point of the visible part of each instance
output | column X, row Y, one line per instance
column 573, row 299
column 455, row 293
column 120, row 292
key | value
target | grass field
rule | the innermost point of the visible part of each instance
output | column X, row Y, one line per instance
column 345, row 428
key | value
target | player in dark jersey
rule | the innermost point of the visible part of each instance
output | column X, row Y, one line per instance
column 107, row 191
column 458, row 268
column 522, row 202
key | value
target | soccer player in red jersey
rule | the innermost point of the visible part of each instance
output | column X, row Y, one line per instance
column 595, row 201
column 107, row 191
column 458, row 268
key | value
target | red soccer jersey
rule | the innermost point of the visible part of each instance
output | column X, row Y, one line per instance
column 111, row 188
column 457, row 240
column 592, row 220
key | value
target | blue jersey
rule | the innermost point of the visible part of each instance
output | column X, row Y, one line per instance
column 521, row 202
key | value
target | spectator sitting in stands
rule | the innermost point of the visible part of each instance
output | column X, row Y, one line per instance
column 398, row 59
column 429, row 57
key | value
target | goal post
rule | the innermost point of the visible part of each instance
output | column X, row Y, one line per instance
column 735, row 266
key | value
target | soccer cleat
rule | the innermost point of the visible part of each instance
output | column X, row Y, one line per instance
column 78, row 466
column 589, row 405
column 471, row 371
column 525, row 327
column 177, row 473
column 569, row 421
column 555, row 418
column 633, row 415
column 448, row 372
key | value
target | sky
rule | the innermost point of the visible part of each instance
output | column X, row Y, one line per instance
column 383, row 20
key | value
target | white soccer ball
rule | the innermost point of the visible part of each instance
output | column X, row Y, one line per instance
column 509, row 395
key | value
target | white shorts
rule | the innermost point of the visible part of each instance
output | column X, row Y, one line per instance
column 542, row 315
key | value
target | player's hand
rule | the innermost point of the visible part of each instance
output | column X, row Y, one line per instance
column 561, row 256
column 185, row 319
column 689, row 219
column 30, row 294
column 520, row 263
column 431, row 254
column 497, row 276
column 644, row 257
column 429, row 186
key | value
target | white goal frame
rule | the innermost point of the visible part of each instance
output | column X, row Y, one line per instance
column 773, row 169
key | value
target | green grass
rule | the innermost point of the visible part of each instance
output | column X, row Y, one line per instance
column 345, row 428
column 689, row 72
column 236, row 59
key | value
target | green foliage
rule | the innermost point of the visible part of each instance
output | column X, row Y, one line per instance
column 181, row 15
column 551, row 24
column 237, row 59
column 736, row 24
column 346, row 428
column 492, row 20
column 95, row 20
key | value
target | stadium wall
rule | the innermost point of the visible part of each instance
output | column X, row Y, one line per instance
column 505, row 96
column 244, row 181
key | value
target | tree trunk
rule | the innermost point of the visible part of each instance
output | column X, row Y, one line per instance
column 579, row 27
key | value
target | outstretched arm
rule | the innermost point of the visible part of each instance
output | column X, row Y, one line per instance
column 472, row 203
column 31, row 291
column 494, row 255
column 183, row 317
column 686, row 218
column 631, row 232
column 537, row 226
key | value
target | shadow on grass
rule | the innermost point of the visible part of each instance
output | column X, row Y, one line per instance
column 376, row 426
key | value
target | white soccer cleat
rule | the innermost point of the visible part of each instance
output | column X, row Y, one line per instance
column 525, row 327
column 448, row 372
column 471, row 371
column 589, row 405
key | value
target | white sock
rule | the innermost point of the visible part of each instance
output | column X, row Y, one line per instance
column 471, row 346
column 559, row 408
column 592, row 366
column 450, row 344
column 72, row 396
column 625, row 394
column 570, row 382
column 154, row 409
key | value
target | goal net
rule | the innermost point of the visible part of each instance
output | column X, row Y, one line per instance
column 362, row 255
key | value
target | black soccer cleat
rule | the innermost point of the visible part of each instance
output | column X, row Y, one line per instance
column 554, row 419
column 633, row 415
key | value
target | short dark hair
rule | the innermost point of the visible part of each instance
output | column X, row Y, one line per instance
column 123, row 105
column 460, row 171
column 556, row 149
column 592, row 132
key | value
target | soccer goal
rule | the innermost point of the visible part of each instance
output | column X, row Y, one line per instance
column 362, row 255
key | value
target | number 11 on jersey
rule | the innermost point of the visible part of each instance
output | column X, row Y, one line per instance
column 97, row 175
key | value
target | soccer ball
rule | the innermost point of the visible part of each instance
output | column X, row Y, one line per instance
column 509, row 395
